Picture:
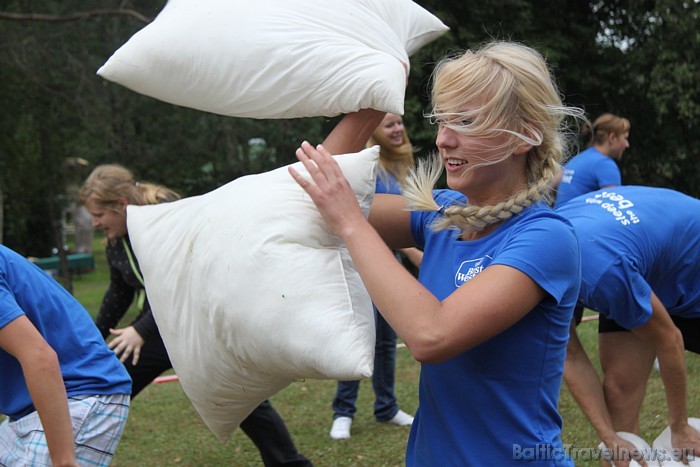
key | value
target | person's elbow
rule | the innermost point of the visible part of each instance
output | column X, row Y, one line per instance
column 671, row 342
column 42, row 359
column 429, row 347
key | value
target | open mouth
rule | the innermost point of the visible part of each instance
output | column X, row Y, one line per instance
column 454, row 163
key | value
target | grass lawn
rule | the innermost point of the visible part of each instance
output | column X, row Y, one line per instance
column 164, row 430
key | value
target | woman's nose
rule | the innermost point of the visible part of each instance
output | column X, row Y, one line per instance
column 445, row 137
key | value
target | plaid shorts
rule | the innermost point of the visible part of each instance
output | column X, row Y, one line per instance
column 98, row 423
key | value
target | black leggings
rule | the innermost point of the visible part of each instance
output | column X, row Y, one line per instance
column 263, row 426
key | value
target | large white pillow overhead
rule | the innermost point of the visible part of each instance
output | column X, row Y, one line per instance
column 276, row 58
column 250, row 291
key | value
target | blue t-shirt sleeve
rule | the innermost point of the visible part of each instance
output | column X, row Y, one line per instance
column 608, row 173
column 546, row 249
column 622, row 294
column 9, row 309
column 421, row 221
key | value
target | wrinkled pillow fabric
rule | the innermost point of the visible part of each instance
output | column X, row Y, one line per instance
column 251, row 292
column 276, row 58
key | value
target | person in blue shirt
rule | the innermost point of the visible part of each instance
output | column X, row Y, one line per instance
column 66, row 395
column 595, row 167
column 640, row 250
column 489, row 316
column 395, row 161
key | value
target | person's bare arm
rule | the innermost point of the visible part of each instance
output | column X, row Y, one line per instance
column 668, row 342
column 414, row 255
column 42, row 374
column 585, row 385
column 353, row 131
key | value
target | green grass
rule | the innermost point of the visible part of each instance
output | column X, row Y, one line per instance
column 164, row 430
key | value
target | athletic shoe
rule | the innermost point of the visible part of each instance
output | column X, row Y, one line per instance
column 341, row 428
column 401, row 419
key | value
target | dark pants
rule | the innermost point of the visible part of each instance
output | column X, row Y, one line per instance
column 689, row 327
column 263, row 426
column 385, row 404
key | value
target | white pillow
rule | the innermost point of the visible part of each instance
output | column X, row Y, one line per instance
column 250, row 291
column 663, row 448
column 276, row 58
column 638, row 442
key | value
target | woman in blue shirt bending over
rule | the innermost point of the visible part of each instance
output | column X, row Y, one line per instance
column 640, row 271
column 489, row 316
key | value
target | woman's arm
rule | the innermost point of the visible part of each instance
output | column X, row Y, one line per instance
column 433, row 330
column 44, row 380
column 414, row 255
column 668, row 341
column 392, row 220
column 353, row 131
column 116, row 301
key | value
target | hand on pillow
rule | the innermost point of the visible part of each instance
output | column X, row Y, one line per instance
column 251, row 292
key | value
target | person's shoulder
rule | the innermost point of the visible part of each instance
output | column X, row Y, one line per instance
column 4, row 251
column 542, row 216
column 443, row 198
column 583, row 155
column 446, row 197
column 602, row 159
column 10, row 259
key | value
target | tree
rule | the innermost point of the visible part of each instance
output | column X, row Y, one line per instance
column 61, row 109
column 633, row 58
column 659, row 87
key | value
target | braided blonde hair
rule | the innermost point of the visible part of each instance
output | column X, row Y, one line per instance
column 515, row 96
column 110, row 182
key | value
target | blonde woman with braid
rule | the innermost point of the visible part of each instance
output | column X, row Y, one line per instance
column 489, row 316
column 106, row 193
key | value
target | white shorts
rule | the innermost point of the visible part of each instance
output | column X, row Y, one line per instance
column 98, row 423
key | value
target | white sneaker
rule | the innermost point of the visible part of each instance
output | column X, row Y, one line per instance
column 401, row 419
column 341, row 428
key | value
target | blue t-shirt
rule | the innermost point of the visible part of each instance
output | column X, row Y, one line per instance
column 496, row 404
column 88, row 366
column 635, row 240
column 588, row 171
column 387, row 183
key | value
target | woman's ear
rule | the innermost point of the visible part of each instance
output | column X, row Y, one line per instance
column 610, row 138
column 522, row 148
column 533, row 137
column 122, row 202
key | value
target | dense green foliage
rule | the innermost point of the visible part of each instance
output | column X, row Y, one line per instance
column 634, row 58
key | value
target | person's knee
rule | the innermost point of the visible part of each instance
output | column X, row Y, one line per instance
column 622, row 390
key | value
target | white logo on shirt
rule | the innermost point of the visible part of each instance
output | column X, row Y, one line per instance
column 617, row 205
column 567, row 176
column 468, row 269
